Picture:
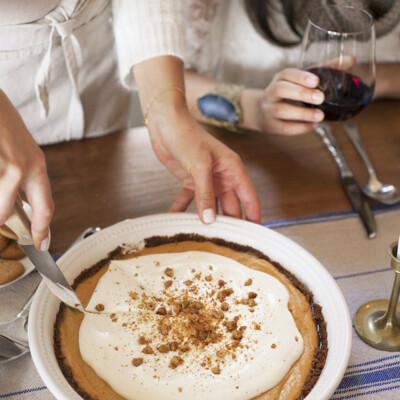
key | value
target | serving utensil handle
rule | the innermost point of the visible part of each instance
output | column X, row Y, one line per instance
column 20, row 224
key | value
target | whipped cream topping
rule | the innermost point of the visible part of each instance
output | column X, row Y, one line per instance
column 189, row 325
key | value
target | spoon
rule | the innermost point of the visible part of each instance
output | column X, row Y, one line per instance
column 386, row 194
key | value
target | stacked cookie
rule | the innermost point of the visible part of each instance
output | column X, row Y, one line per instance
column 10, row 253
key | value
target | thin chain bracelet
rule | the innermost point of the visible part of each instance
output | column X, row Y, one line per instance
column 146, row 112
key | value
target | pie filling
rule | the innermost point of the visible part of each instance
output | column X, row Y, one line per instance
column 198, row 319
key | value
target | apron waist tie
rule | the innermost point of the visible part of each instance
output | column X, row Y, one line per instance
column 73, row 62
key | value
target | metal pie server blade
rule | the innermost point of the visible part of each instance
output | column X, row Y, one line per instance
column 43, row 261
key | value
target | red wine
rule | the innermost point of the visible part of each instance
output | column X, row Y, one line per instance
column 345, row 94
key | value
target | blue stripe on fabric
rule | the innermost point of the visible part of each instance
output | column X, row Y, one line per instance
column 363, row 273
column 373, row 362
column 340, row 392
column 370, row 377
column 362, row 395
column 351, row 373
column 310, row 219
column 325, row 217
column 26, row 391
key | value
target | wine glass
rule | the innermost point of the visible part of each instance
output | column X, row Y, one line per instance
column 339, row 47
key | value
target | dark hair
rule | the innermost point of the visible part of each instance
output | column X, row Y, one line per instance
column 263, row 15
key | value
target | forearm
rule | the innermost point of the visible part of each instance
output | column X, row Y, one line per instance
column 387, row 82
column 157, row 81
column 199, row 85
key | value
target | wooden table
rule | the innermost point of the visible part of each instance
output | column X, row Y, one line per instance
column 105, row 180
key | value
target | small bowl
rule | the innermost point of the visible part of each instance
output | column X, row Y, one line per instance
column 279, row 248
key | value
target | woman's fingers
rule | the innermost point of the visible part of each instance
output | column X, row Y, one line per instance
column 206, row 167
column 248, row 198
column 297, row 76
column 202, row 176
column 230, row 204
column 39, row 196
column 290, row 112
column 183, row 200
column 233, row 179
column 342, row 63
column 284, row 108
column 285, row 90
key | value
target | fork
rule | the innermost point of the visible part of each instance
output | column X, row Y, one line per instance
column 10, row 350
column 15, row 329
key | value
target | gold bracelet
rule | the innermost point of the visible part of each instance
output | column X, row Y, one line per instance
column 146, row 112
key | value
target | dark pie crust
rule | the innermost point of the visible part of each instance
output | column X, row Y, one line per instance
column 320, row 353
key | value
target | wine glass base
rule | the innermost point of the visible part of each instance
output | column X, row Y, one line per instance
column 374, row 329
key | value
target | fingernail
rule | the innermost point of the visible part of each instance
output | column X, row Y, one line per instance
column 318, row 97
column 44, row 246
column 208, row 216
column 312, row 80
column 318, row 115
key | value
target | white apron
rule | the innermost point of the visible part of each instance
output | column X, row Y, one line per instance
column 61, row 73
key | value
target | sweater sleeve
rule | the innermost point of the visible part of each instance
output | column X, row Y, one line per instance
column 145, row 29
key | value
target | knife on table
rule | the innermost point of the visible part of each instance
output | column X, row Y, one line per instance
column 351, row 187
column 20, row 224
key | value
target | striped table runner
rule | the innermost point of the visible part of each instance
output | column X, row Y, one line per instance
column 361, row 268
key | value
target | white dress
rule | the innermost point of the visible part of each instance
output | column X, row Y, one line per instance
column 68, row 72
column 221, row 42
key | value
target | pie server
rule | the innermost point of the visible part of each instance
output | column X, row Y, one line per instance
column 20, row 224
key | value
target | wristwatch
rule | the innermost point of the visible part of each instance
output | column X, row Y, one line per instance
column 221, row 106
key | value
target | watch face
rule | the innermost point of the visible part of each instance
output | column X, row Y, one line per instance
column 218, row 107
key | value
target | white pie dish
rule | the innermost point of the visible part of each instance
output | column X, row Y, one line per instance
column 279, row 248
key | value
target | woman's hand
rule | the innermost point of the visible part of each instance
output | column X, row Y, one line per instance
column 23, row 167
column 207, row 168
column 278, row 109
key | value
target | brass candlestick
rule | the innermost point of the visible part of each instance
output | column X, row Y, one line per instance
column 376, row 322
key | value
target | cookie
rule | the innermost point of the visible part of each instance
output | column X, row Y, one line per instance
column 12, row 252
column 3, row 242
column 10, row 270
column 7, row 232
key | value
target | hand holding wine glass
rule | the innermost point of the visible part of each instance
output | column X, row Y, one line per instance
column 339, row 47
